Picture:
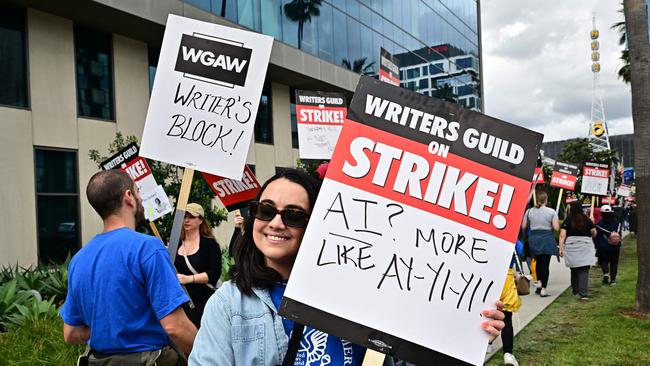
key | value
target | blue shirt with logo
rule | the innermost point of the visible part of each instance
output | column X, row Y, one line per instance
column 120, row 285
column 319, row 348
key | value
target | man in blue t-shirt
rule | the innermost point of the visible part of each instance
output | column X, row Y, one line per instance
column 123, row 297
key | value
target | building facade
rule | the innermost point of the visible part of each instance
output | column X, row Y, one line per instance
column 622, row 144
column 74, row 73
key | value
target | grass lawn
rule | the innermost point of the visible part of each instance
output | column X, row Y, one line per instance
column 569, row 332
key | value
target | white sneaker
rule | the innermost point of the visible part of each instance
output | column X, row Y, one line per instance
column 543, row 293
column 509, row 359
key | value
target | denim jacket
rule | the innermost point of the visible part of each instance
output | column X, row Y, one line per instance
column 242, row 330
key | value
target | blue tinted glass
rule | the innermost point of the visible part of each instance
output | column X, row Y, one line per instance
column 264, row 121
column 413, row 73
column 290, row 21
column 425, row 71
column 325, row 37
column 436, row 69
column 464, row 63
column 365, row 15
column 465, row 90
column 423, row 84
column 367, row 51
column 249, row 13
column 354, row 41
column 271, row 11
column 309, row 42
column 226, row 9
column 58, row 227
column 352, row 7
column 201, row 4
column 340, row 37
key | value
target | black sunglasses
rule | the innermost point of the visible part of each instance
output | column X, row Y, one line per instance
column 290, row 216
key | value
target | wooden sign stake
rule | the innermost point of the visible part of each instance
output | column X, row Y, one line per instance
column 373, row 358
column 179, row 216
column 154, row 229
column 559, row 200
column 592, row 216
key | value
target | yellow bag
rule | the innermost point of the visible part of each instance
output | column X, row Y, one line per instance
column 509, row 297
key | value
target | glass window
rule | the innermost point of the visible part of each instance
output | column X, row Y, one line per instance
column 94, row 67
column 425, row 70
column 13, row 64
column 436, row 69
column 225, row 9
column 264, row 121
column 248, row 12
column 289, row 27
column 464, row 63
column 354, row 41
column 340, row 37
column 465, row 90
column 367, row 52
column 325, row 40
column 294, row 118
column 413, row 73
column 57, row 201
column 153, row 53
column 365, row 15
column 352, row 7
column 423, row 84
column 272, row 18
column 309, row 41
column 201, row 4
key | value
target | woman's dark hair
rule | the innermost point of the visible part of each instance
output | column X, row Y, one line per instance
column 250, row 268
column 577, row 217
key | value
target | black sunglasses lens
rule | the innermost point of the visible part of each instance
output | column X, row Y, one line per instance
column 295, row 218
column 263, row 211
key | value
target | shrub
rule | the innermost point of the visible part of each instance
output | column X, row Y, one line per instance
column 10, row 299
column 31, row 311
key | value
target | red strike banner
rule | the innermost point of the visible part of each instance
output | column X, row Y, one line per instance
column 538, row 176
column 137, row 168
column 234, row 194
column 608, row 200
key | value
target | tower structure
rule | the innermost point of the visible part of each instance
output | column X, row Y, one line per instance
column 598, row 134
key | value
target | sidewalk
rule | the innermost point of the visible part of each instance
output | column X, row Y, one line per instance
column 532, row 304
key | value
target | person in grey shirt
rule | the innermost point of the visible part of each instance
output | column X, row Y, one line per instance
column 542, row 221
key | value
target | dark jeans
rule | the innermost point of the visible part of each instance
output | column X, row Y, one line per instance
column 508, row 334
column 542, row 269
column 608, row 261
column 580, row 281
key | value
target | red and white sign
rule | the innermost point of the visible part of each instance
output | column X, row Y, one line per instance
column 609, row 200
column 538, row 176
column 412, row 220
column 570, row 199
column 388, row 68
column 595, row 178
column 320, row 116
column 234, row 194
column 564, row 175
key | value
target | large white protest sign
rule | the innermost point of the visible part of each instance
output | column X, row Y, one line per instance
column 595, row 178
column 413, row 230
column 205, row 96
column 320, row 116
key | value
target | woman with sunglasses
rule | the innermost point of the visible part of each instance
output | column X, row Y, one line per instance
column 241, row 325
column 198, row 261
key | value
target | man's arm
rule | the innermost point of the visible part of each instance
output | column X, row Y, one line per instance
column 180, row 329
column 75, row 334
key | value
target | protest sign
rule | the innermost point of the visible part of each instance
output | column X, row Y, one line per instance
column 570, row 198
column 234, row 194
column 388, row 67
column 413, row 229
column 623, row 190
column 595, row 178
column 564, row 175
column 156, row 203
column 128, row 160
column 609, row 200
column 538, row 175
column 205, row 96
column 320, row 117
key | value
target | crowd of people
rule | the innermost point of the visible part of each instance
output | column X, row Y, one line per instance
column 126, row 303
column 585, row 238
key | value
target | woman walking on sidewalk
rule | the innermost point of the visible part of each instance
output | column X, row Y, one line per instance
column 608, row 244
column 577, row 248
column 542, row 221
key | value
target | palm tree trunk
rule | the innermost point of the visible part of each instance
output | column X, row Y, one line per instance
column 636, row 19
column 300, row 24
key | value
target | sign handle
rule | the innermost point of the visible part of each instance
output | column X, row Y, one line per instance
column 591, row 213
column 373, row 358
column 559, row 200
column 154, row 229
column 179, row 216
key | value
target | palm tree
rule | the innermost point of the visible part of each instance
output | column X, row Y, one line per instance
column 624, row 71
column 359, row 66
column 636, row 19
column 446, row 92
column 301, row 11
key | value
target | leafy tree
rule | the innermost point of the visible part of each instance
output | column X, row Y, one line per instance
column 636, row 23
column 169, row 176
column 359, row 66
column 446, row 92
column 301, row 11
column 624, row 71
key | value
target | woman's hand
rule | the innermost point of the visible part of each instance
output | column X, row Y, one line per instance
column 562, row 252
column 184, row 280
column 494, row 322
